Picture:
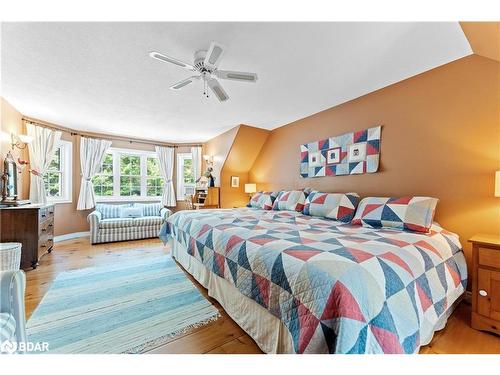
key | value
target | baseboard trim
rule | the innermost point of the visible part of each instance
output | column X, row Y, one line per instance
column 70, row 236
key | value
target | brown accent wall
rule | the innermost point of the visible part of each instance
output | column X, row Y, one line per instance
column 243, row 153
column 234, row 153
column 218, row 148
column 440, row 138
column 484, row 38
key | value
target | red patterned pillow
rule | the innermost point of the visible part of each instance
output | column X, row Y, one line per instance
column 293, row 200
column 335, row 206
column 263, row 200
column 409, row 213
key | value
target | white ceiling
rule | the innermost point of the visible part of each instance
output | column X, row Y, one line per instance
column 98, row 76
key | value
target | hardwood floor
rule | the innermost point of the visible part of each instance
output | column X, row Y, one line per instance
column 223, row 335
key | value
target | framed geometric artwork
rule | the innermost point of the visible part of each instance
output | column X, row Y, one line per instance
column 333, row 155
column 350, row 153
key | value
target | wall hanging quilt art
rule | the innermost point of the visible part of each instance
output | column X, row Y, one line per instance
column 350, row 153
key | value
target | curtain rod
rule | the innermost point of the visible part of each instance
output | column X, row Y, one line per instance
column 101, row 136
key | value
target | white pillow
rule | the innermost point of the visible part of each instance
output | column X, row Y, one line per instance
column 130, row 212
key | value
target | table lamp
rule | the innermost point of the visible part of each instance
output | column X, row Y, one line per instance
column 250, row 189
column 497, row 184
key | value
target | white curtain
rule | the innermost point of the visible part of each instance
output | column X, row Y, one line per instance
column 166, row 159
column 92, row 152
column 196, row 155
column 41, row 151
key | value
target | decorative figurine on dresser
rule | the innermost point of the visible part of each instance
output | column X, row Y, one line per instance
column 30, row 224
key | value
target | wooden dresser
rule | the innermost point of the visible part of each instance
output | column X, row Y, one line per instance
column 213, row 198
column 209, row 198
column 486, row 282
column 33, row 226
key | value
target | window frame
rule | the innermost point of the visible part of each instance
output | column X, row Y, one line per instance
column 116, row 197
column 181, row 156
column 66, row 171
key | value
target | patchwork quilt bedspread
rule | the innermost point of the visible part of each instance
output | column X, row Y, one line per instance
column 338, row 288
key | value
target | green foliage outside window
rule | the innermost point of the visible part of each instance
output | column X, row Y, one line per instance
column 52, row 178
column 154, row 182
column 188, row 171
column 130, row 175
column 103, row 181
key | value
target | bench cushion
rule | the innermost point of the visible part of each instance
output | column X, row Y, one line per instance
column 147, row 221
column 116, row 223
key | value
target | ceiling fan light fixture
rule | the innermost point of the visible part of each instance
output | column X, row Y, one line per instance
column 206, row 65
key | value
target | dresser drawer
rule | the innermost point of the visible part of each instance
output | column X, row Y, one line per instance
column 489, row 258
column 45, row 244
column 46, row 213
column 46, row 227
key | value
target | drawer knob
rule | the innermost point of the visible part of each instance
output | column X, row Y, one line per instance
column 483, row 293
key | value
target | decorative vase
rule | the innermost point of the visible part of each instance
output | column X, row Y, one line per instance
column 211, row 181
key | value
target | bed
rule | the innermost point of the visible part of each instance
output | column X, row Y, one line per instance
column 303, row 284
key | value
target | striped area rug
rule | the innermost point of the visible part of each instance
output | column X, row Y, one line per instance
column 126, row 308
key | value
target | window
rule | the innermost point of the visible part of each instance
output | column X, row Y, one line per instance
column 185, row 176
column 154, row 182
column 128, row 175
column 103, row 181
column 58, row 177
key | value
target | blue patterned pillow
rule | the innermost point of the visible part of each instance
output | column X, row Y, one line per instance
column 150, row 209
column 293, row 200
column 409, row 213
column 263, row 200
column 110, row 211
column 335, row 206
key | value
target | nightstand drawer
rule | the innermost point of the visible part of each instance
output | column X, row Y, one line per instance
column 489, row 258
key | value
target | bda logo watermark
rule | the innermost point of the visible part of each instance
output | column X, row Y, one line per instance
column 11, row 347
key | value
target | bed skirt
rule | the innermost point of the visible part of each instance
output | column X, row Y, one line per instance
column 268, row 332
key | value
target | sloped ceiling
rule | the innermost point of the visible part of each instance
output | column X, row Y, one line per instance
column 98, row 77
column 484, row 38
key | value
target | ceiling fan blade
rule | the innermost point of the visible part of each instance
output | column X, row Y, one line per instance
column 172, row 60
column 214, row 55
column 217, row 89
column 236, row 76
column 179, row 85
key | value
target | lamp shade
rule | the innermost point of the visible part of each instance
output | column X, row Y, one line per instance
column 250, row 188
column 497, row 184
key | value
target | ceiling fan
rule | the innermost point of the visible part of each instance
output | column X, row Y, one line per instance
column 206, row 64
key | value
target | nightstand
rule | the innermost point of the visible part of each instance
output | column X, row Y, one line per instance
column 486, row 282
